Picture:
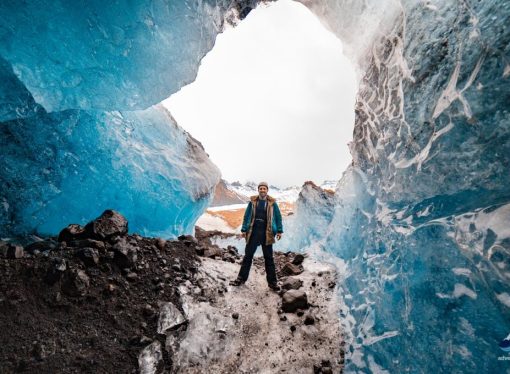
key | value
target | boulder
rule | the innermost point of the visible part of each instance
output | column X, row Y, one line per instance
column 106, row 226
column 292, row 283
column 125, row 254
column 293, row 300
column 75, row 283
column 89, row 256
column 298, row 259
column 291, row 269
column 72, row 232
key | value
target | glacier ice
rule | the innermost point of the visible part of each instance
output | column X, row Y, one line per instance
column 120, row 55
column 421, row 217
column 79, row 163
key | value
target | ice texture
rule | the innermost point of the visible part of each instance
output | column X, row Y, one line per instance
column 79, row 163
column 109, row 55
column 421, row 218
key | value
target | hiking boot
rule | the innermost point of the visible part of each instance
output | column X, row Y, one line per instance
column 237, row 282
column 275, row 287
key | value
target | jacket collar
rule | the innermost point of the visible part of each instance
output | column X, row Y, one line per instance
column 270, row 199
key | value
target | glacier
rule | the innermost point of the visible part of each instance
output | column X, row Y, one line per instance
column 81, row 162
column 419, row 221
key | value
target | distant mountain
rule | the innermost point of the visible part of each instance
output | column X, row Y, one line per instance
column 225, row 194
column 287, row 194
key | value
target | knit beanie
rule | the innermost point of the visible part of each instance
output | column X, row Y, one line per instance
column 263, row 184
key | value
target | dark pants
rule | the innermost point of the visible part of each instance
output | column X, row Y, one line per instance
column 258, row 237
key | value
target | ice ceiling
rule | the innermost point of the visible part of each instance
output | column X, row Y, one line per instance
column 420, row 220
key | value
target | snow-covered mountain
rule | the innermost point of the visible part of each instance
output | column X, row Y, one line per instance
column 283, row 194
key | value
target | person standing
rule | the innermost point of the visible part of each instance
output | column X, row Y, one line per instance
column 262, row 223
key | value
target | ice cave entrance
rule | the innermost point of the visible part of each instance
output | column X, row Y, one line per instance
column 273, row 100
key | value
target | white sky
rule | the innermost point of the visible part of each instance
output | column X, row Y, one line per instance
column 273, row 100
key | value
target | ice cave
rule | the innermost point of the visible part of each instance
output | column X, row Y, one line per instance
column 420, row 220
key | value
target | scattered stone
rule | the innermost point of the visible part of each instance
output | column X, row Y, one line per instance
column 283, row 318
column 71, row 232
column 75, row 283
column 89, row 256
column 106, row 226
column 331, row 284
column 292, row 283
column 131, row 276
column 235, row 315
column 55, row 270
column 292, row 328
column 41, row 246
column 160, row 244
column 291, row 269
column 300, row 313
column 87, row 243
column 298, row 259
column 314, row 283
column 293, row 300
column 9, row 250
column 309, row 320
column 150, row 359
column 213, row 251
column 125, row 254
column 169, row 317
column 177, row 267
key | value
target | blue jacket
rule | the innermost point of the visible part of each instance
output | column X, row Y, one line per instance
column 274, row 219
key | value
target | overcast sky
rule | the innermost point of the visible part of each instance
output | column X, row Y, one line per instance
column 273, row 100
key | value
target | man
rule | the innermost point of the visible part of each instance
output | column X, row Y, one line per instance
column 262, row 222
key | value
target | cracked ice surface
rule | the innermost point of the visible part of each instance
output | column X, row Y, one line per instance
column 421, row 217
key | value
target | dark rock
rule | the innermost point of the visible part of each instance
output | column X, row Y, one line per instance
column 283, row 318
column 75, row 283
column 42, row 246
column 125, row 254
column 177, row 267
column 188, row 239
column 291, row 269
column 326, row 363
column 213, row 252
column 292, row 328
column 292, row 283
column 235, row 315
column 160, row 244
column 72, row 232
column 232, row 250
column 331, row 284
column 87, row 243
column 9, row 250
column 293, row 300
column 300, row 313
column 106, row 226
column 57, row 267
column 89, row 256
column 309, row 320
column 298, row 259
column 314, row 283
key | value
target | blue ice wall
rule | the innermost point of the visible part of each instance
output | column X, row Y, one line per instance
column 422, row 217
column 111, row 55
column 80, row 162
column 78, row 133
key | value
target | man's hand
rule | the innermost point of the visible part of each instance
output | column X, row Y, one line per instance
column 278, row 236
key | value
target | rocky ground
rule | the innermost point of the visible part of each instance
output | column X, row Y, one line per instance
column 97, row 300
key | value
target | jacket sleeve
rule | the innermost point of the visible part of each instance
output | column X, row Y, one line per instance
column 246, row 219
column 277, row 218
